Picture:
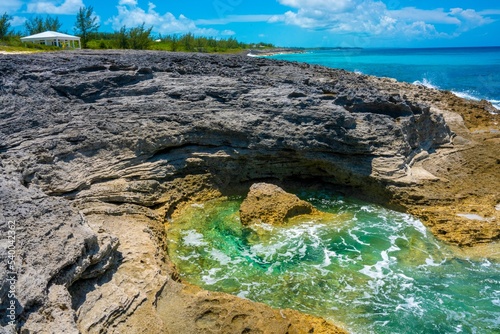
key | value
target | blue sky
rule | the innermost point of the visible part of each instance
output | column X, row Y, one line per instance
column 306, row 23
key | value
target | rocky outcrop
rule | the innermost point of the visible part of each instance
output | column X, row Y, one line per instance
column 99, row 149
column 268, row 203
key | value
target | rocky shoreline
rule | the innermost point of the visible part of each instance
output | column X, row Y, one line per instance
column 99, row 149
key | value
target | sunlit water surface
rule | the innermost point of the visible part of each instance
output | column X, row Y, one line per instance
column 372, row 269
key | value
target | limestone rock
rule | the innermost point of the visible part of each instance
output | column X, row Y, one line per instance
column 270, row 204
column 99, row 148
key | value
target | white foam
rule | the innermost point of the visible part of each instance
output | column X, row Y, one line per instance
column 431, row 263
column 327, row 261
column 466, row 95
column 220, row 256
column 426, row 83
column 417, row 224
column 355, row 238
column 210, row 279
column 486, row 263
column 496, row 104
column 376, row 271
column 410, row 305
column 198, row 205
column 193, row 238
column 243, row 294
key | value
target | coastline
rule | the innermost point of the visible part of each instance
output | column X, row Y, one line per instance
column 430, row 67
column 274, row 52
column 125, row 139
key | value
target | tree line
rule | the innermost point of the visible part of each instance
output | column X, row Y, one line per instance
column 138, row 38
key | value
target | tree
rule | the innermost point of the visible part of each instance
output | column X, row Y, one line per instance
column 140, row 37
column 122, row 38
column 86, row 24
column 38, row 24
column 4, row 25
column 52, row 24
column 34, row 25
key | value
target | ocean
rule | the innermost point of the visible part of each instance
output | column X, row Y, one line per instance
column 372, row 269
column 472, row 73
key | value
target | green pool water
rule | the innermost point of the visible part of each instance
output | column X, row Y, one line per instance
column 371, row 269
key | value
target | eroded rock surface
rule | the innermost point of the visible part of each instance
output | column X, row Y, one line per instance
column 99, row 149
column 268, row 203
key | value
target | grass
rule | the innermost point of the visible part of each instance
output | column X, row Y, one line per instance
column 13, row 45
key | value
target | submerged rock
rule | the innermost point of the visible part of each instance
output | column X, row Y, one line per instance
column 270, row 204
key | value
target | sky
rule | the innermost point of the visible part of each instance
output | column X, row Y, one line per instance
column 288, row 23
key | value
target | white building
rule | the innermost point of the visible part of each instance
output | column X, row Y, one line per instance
column 54, row 38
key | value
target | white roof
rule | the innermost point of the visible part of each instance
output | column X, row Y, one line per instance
column 50, row 35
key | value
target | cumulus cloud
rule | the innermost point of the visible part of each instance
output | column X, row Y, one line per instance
column 17, row 21
column 127, row 2
column 413, row 14
column 10, row 6
column 235, row 19
column 68, row 7
column 131, row 15
column 373, row 18
column 331, row 6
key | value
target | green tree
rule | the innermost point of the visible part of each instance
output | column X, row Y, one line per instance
column 188, row 41
column 4, row 25
column 86, row 24
column 139, row 37
column 38, row 24
column 52, row 23
column 122, row 38
column 34, row 25
column 175, row 43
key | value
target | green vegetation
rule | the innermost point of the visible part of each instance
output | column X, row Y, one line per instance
column 137, row 38
column 4, row 25
column 86, row 24
column 140, row 38
column 38, row 24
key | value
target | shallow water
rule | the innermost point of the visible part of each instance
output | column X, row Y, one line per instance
column 372, row 269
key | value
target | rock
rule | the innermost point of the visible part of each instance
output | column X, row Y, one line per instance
column 98, row 149
column 270, row 204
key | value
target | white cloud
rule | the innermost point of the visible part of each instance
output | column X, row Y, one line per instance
column 131, row 15
column 373, row 18
column 127, row 2
column 469, row 18
column 328, row 5
column 69, row 7
column 10, row 6
column 413, row 14
column 17, row 21
column 490, row 12
column 235, row 19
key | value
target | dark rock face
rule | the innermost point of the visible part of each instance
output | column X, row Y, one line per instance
column 121, row 110
column 107, row 134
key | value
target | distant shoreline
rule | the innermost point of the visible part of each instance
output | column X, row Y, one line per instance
column 273, row 52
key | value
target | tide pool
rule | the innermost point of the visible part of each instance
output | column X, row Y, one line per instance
column 472, row 73
column 371, row 269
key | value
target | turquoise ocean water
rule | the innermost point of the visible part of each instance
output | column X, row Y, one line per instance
column 472, row 73
column 374, row 270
